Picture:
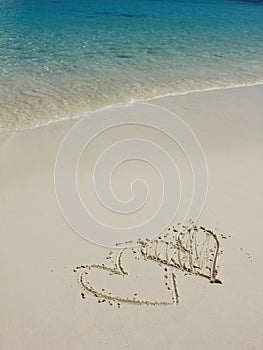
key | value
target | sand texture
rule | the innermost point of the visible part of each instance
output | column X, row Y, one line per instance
column 200, row 289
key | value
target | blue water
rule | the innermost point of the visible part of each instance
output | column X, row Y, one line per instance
column 64, row 57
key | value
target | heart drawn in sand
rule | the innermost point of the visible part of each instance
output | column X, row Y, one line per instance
column 122, row 275
column 193, row 251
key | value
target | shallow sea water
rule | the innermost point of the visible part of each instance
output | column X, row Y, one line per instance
column 62, row 58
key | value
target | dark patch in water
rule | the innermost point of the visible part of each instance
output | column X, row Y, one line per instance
column 153, row 51
column 124, row 56
column 249, row 2
column 125, row 15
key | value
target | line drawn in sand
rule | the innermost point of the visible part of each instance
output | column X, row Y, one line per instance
column 193, row 250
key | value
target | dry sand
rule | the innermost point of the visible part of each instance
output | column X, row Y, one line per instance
column 40, row 297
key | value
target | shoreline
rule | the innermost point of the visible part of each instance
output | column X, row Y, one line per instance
column 132, row 100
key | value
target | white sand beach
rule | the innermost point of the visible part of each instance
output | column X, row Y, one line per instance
column 40, row 297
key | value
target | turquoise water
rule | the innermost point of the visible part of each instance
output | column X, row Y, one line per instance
column 63, row 57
